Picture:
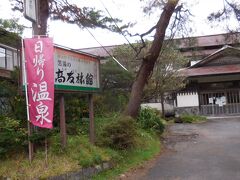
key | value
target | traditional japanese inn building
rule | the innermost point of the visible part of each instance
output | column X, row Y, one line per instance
column 213, row 75
column 213, row 85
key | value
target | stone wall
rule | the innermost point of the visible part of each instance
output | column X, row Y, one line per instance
column 187, row 110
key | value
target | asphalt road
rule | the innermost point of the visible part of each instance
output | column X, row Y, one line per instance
column 208, row 151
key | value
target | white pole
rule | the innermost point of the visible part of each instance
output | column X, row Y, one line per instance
column 30, row 144
column 25, row 80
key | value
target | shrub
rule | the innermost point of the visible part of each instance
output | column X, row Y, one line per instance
column 149, row 119
column 78, row 127
column 109, row 102
column 119, row 134
column 12, row 135
column 39, row 135
column 187, row 118
column 12, row 104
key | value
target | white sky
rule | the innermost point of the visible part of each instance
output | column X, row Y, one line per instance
column 128, row 10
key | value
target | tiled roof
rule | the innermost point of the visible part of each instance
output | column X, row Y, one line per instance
column 202, row 68
column 100, row 51
column 210, row 42
column 211, row 70
column 223, row 51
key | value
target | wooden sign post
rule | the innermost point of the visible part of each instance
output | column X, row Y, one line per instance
column 63, row 132
column 75, row 72
column 91, row 119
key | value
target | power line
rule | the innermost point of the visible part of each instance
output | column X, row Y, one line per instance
column 118, row 27
column 105, row 49
column 102, row 46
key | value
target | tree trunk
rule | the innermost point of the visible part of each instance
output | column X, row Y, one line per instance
column 149, row 60
column 162, row 104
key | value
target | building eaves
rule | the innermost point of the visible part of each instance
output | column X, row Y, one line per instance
column 210, row 70
column 189, row 44
column 214, row 55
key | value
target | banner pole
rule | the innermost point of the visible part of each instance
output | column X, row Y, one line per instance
column 25, row 80
column 30, row 145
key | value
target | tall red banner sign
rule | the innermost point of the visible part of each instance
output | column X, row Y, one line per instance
column 40, row 79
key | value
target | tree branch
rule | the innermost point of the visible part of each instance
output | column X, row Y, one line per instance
column 141, row 38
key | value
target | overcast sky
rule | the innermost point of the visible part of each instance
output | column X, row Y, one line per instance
column 128, row 10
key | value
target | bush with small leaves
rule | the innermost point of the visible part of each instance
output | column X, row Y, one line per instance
column 119, row 134
column 12, row 136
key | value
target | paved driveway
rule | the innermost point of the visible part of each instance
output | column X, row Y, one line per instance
column 208, row 151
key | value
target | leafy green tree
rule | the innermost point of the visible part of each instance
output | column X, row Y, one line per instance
column 10, row 31
column 115, row 78
column 128, row 57
column 84, row 17
column 165, row 75
column 164, row 78
column 10, row 38
column 115, row 85
column 12, row 25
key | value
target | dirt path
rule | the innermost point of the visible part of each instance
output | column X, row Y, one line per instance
column 209, row 150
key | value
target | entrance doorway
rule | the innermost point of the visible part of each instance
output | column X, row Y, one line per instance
column 224, row 102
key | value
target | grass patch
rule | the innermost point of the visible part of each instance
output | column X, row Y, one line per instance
column 187, row 118
column 79, row 153
column 148, row 147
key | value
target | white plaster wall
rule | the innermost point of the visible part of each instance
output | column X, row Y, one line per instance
column 187, row 100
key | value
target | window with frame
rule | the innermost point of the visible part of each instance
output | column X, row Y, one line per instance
column 8, row 58
column 3, row 58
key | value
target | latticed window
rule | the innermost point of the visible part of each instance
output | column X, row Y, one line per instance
column 2, row 58
column 8, row 58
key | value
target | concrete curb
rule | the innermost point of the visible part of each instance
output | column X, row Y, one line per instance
column 84, row 173
column 222, row 117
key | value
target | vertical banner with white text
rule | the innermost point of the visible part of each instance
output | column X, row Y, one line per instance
column 40, row 79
